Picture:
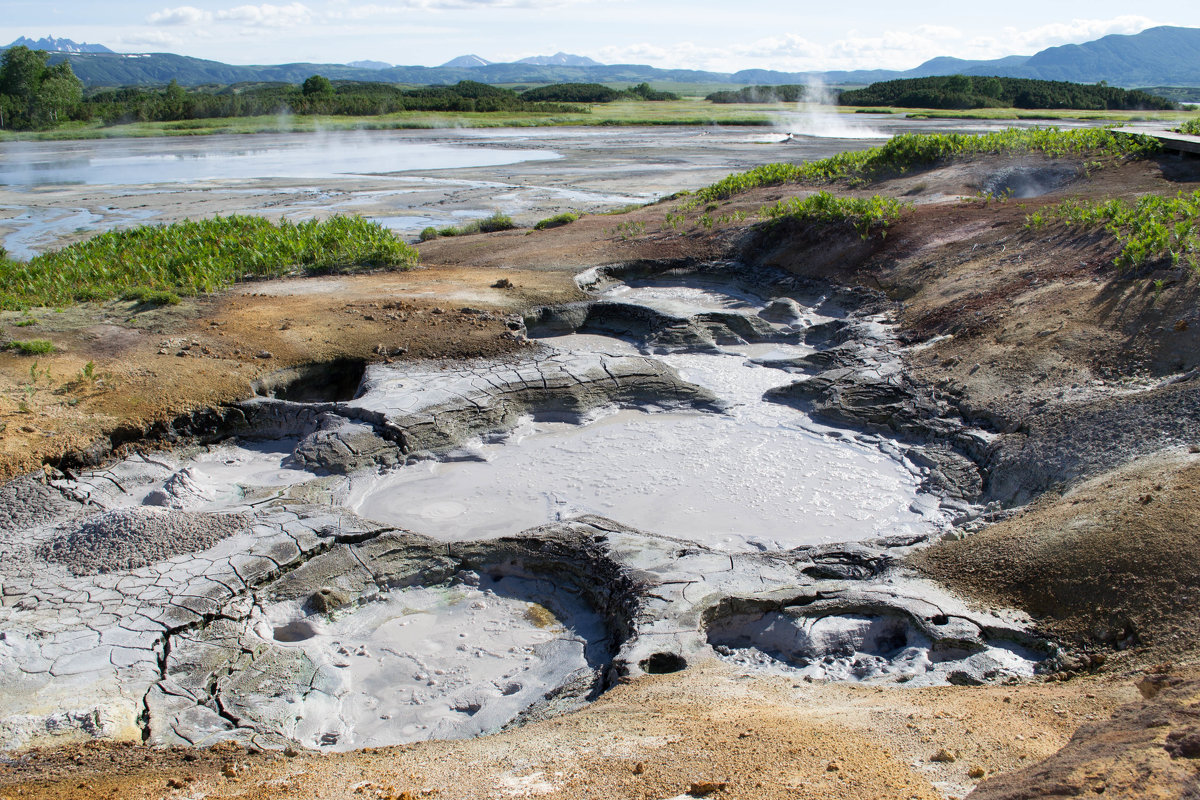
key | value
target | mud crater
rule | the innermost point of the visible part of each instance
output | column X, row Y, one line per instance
column 705, row 442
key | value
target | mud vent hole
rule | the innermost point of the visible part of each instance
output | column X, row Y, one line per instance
column 662, row 663
column 325, row 382
column 295, row 631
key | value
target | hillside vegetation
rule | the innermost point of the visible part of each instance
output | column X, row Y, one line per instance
column 910, row 151
column 963, row 91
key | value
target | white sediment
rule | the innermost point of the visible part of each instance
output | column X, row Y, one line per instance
column 420, row 663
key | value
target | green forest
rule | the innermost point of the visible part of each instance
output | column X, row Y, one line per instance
column 962, row 92
column 593, row 93
column 787, row 93
column 34, row 96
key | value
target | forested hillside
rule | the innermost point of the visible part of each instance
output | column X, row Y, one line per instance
column 964, row 91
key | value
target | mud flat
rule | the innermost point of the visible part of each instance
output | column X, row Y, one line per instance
column 457, row 548
column 52, row 193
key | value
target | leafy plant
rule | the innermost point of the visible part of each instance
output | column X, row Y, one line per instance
column 910, row 151
column 498, row 221
column 1191, row 127
column 1153, row 228
column 629, row 230
column 189, row 258
column 866, row 215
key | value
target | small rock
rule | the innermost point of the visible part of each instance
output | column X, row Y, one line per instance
column 503, row 283
column 264, row 354
column 639, row 768
column 832, row 766
column 705, row 788
column 175, row 783
column 327, row 599
column 944, row 756
column 291, row 751
column 229, row 771
column 976, row 772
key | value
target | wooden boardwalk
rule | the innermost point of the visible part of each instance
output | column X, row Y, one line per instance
column 1169, row 139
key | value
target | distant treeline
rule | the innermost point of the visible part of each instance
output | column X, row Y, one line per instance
column 788, row 93
column 317, row 96
column 33, row 95
column 593, row 93
column 963, row 91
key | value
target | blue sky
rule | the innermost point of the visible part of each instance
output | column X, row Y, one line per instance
column 722, row 35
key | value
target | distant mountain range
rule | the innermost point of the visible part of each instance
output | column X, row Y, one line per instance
column 59, row 45
column 1161, row 57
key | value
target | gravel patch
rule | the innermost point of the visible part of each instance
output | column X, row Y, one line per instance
column 128, row 538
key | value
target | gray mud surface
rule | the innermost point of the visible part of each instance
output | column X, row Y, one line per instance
column 278, row 592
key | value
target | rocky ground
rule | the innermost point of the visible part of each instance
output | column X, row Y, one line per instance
column 1080, row 376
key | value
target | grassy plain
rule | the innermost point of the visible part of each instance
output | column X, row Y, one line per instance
column 687, row 111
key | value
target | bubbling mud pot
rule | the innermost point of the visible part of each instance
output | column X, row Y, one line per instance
column 442, row 550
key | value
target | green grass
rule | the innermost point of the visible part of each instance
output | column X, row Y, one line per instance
column 867, row 215
column 1152, row 229
column 498, row 221
column 910, row 151
column 33, row 347
column 623, row 112
column 188, row 258
column 558, row 220
column 686, row 111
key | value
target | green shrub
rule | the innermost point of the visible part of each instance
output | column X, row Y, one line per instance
column 910, row 151
column 565, row 218
column 151, row 297
column 189, row 258
column 1152, row 229
column 498, row 221
column 33, row 347
column 1191, row 127
column 428, row 233
column 866, row 214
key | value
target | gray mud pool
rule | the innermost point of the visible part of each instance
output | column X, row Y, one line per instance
column 462, row 547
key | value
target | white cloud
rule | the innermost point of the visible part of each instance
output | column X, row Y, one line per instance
column 267, row 15
column 1073, row 32
column 143, row 39
column 184, row 15
column 897, row 49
